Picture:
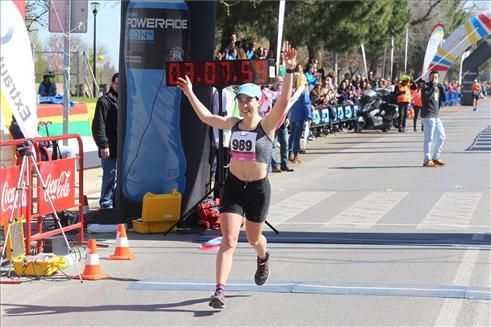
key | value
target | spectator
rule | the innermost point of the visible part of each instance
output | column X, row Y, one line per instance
column 403, row 98
column 282, row 67
column 343, row 96
column 47, row 88
column 328, row 91
column 258, row 53
column 299, row 114
column 221, row 55
column 228, row 106
column 251, row 50
column 230, row 45
column 417, row 103
column 241, row 54
column 317, row 96
column 104, row 131
column 281, row 135
column 232, row 54
column 311, row 78
column 485, row 88
column 299, row 69
column 433, row 96
column 264, row 53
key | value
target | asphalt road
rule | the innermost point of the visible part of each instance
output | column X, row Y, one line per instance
column 368, row 237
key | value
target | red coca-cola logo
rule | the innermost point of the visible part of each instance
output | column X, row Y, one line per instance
column 59, row 179
column 8, row 189
column 58, row 188
column 8, row 197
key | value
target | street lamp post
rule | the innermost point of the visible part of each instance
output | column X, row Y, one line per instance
column 94, row 6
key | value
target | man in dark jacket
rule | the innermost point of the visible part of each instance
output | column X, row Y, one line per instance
column 104, row 131
column 433, row 96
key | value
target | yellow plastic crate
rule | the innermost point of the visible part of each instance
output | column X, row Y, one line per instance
column 43, row 264
column 161, row 207
column 143, row 227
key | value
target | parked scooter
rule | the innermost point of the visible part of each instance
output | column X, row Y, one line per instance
column 376, row 111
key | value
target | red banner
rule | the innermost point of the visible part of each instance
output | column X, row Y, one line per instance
column 59, row 178
column 9, row 178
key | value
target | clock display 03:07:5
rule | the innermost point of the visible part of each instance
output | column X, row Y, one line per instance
column 220, row 72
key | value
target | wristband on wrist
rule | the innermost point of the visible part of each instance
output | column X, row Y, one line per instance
column 290, row 71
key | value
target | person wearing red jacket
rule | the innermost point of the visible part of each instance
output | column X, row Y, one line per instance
column 417, row 104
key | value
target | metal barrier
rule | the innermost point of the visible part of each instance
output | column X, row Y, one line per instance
column 57, row 175
column 333, row 115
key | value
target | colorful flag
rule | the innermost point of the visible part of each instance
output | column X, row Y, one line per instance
column 435, row 40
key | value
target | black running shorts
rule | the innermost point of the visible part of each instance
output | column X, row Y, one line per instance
column 248, row 199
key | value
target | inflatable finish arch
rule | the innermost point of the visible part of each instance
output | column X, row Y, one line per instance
column 470, row 69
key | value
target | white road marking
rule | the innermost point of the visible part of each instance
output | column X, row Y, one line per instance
column 451, row 308
column 294, row 205
column 366, row 212
column 453, row 209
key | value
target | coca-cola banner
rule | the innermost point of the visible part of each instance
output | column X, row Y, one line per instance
column 9, row 177
column 59, row 177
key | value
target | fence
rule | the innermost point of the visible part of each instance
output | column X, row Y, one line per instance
column 33, row 205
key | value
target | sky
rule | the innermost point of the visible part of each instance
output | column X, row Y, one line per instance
column 108, row 28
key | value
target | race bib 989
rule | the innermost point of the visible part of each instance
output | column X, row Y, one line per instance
column 243, row 145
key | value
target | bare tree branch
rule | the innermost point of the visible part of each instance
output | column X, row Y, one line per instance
column 36, row 13
column 425, row 16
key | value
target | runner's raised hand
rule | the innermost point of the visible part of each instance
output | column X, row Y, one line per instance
column 290, row 54
column 185, row 85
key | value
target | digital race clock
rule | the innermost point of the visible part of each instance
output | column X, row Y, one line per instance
column 220, row 72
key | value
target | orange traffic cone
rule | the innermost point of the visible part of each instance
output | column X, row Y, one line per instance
column 122, row 250
column 92, row 270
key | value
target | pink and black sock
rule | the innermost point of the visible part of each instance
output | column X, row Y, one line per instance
column 263, row 259
column 220, row 288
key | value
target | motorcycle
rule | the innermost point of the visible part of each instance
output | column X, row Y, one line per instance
column 376, row 112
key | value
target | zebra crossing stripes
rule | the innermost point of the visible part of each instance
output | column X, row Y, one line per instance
column 452, row 209
column 482, row 142
column 294, row 205
column 368, row 211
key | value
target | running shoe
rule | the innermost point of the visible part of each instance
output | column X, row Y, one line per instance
column 217, row 300
column 262, row 272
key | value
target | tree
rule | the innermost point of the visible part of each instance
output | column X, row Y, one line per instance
column 40, row 65
column 335, row 25
column 424, row 16
column 36, row 14
column 235, row 17
column 395, row 26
